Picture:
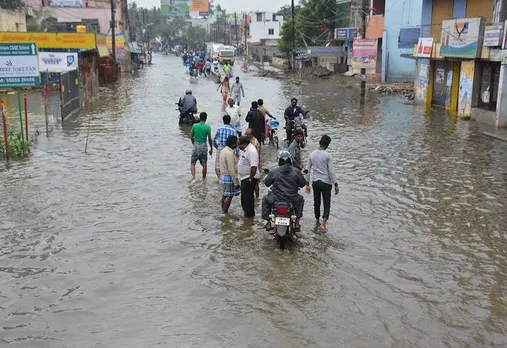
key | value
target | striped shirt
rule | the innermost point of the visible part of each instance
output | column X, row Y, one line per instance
column 220, row 139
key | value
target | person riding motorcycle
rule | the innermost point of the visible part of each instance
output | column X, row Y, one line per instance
column 290, row 114
column 285, row 182
column 187, row 103
column 193, row 68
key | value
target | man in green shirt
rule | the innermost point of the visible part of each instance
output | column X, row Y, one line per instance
column 198, row 135
column 227, row 69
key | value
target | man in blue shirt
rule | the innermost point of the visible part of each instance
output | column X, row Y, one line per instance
column 220, row 140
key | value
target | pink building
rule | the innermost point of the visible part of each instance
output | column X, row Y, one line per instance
column 68, row 10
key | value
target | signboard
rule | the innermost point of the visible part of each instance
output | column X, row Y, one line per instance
column 364, row 53
column 52, row 40
column 345, row 33
column 462, row 38
column 424, row 47
column 175, row 8
column 199, row 7
column 57, row 61
column 493, row 35
column 333, row 60
column 66, row 3
column 98, row 3
column 19, row 66
column 101, row 42
column 119, row 44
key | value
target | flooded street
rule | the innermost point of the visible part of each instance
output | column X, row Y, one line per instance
column 118, row 248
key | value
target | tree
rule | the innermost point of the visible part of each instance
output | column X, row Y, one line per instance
column 195, row 38
column 11, row 4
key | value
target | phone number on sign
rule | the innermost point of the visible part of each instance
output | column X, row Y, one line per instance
column 18, row 79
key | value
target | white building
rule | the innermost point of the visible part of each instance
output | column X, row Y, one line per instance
column 264, row 27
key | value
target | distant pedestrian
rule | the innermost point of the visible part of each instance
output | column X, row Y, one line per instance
column 200, row 133
column 229, row 173
column 220, row 140
column 233, row 111
column 224, row 89
column 207, row 68
column 248, row 172
column 320, row 170
column 255, row 120
column 237, row 91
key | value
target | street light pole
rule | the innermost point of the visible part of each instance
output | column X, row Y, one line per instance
column 364, row 7
column 293, row 36
column 113, row 38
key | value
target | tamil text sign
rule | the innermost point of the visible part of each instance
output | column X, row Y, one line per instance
column 493, row 35
column 57, row 61
column 364, row 53
column 424, row 47
column 52, row 40
column 462, row 38
column 19, row 66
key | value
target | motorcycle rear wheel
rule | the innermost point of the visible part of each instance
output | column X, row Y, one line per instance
column 282, row 241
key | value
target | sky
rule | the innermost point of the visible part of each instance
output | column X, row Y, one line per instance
column 231, row 5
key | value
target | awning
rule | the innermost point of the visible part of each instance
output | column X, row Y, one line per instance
column 133, row 48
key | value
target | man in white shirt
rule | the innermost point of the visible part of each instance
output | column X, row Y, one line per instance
column 249, row 175
column 237, row 91
column 233, row 111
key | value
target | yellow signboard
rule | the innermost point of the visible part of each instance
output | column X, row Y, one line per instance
column 102, row 45
column 119, row 41
column 52, row 40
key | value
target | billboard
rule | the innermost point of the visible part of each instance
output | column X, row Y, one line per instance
column 364, row 53
column 199, row 7
column 175, row 8
column 462, row 38
column 57, row 61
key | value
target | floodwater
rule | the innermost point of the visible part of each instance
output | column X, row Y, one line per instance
column 116, row 247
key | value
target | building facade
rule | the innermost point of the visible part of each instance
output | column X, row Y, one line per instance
column 461, row 58
column 264, row 27
column 12, row 20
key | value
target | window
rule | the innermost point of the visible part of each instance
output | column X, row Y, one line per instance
column 274, row 17
column 271, row 31
column 259, row 17
column 490, row 76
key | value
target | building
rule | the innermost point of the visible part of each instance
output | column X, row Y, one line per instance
column 264, row 27
column 460, row 58
column 95, row 14
column 12, row 20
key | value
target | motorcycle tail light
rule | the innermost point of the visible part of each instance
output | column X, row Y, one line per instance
column 282, row 210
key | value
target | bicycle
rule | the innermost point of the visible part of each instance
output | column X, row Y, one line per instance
column 273, row 133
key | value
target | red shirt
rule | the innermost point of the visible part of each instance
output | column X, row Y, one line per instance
column 201, row 65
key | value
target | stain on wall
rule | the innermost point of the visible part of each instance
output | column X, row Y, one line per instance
column 422, row 81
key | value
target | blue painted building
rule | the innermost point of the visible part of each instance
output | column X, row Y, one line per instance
column 402, row 25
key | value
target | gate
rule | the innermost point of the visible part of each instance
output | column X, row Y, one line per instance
column 69, row 93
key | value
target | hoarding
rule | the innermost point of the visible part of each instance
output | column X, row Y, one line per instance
column 199, row 7
column 175, row 8
column 424, row 47
column 462, row 38
column 19, row 66
column 66, row 3
column 52, row 40
column 57, row 61
column 364, row 53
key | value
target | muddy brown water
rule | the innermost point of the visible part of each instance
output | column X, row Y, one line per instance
column 118, row 248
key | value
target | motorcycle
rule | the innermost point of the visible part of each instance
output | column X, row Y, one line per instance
column 193, row 72
column 283, row 220
column 187, row 116
column 273, row 133
column 297, row 124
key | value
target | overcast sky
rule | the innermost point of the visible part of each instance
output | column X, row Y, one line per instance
column 231, row 5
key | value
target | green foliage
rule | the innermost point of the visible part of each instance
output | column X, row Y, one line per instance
column 49, row 24
column 11, row 4
column 18, row 148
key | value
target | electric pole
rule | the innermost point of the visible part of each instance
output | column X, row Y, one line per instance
column 364, row 7
column 236, row 28
column 294, row 36
column 113, row 37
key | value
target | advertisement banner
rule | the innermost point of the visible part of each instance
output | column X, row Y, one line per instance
column 424, row 47
column 462, row 38
column 364, row 53
column 101, row 42
column 57, row 61
column 19, row 66
column 66, row 3
column 119, row 44
column 199, row 7
column 52, row 40
column 175, row 8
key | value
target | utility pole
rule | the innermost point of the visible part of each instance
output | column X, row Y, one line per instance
column 127, row 22
column 294, row 36
column 236, row 28
column 113, row 36
column 247, row 28
column 364, row 7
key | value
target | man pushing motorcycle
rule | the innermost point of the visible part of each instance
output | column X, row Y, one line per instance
column 285, row 182
column 293, row 111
